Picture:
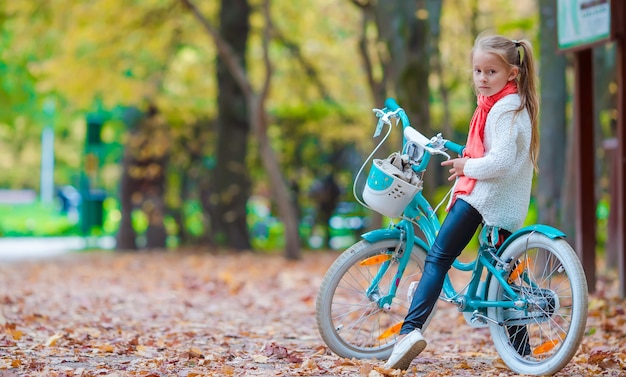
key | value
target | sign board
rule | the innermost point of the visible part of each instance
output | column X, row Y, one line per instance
column 582, row 23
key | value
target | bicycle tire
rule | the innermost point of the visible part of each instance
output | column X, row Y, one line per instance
column 543, row 339
column 348, row 321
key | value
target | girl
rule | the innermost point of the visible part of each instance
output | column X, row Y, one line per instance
column 494, row 177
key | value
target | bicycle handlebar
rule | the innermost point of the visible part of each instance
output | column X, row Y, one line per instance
column 392, row 105
column 454, row 147
column 435, row 145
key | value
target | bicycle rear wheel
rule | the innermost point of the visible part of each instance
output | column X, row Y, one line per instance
column 353, row 324
column 542, row 338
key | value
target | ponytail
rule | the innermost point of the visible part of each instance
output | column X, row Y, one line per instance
column 527, row 89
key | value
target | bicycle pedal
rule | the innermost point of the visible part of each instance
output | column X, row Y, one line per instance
column 474, row 320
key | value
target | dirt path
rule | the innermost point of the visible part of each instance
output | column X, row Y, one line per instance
column 167, row 314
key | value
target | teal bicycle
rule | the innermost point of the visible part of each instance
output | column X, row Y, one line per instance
column 530, row 290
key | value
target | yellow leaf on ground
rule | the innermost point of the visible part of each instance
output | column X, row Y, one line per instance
column 228, row 370
column 196, row 351
column 106, row 348
column 146, row 351
column 52, row 341
column 463, row 365
column 308, row 364
column 261, row 359
column 499, row 363
column 16, row 334
column 94, row 333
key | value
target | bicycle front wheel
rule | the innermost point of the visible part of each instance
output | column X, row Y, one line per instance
column 542, row 337
column 351, row 321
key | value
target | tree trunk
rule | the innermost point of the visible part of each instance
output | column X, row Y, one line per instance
column 412, row 84
column 143, row 178
column 126, row 238
column 156, row 234
column 406, row 66
column 154, row 205
column 126, row 235
column 151, row 160
column 231, row 180
column 553, row 123
column 258, row 121
column 280, row 192
column 378, row 87
column 445, row 127
column 205, row 190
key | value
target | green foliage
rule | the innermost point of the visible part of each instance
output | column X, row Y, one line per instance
column 34, row 220
column 131, row 54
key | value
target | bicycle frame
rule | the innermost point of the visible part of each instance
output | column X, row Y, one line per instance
column 530, row 291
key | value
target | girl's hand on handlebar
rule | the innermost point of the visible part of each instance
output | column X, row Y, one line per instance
column 457, row 166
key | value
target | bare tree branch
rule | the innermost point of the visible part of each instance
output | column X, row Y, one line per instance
column 225, row 50
column 377, row 86
column 369, row 70
column 309, row 69
column 361, row 3
column 266, row 55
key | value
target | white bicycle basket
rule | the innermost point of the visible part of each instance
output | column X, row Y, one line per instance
column 386, row 193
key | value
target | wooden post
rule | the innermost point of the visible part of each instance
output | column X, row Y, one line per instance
column 585, row 159
column 618, row 14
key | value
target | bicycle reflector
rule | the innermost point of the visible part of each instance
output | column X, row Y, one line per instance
column 376, row 259
column 545, row 347
column 517, row 272
column 393, row 330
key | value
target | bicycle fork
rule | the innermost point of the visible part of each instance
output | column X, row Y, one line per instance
column 399, row 255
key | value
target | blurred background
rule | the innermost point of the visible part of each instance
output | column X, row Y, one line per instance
column 241, row 124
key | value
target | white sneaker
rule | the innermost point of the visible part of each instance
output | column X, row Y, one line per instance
column 406, row 350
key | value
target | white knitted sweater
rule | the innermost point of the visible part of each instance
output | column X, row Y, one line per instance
column 504, row 174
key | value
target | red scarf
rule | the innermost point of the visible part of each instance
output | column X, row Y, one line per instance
column 475, row 139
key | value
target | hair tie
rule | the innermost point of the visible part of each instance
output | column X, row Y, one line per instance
column 520, row 53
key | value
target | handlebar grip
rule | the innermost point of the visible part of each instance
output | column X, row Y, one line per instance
column 392, row 105
column 454, row 147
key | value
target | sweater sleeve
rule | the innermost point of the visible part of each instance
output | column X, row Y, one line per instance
column 501, row 132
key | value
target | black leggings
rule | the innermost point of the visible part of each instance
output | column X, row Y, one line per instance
column 457, row 230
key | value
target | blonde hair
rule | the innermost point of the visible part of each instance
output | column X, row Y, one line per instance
column 518, row 54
